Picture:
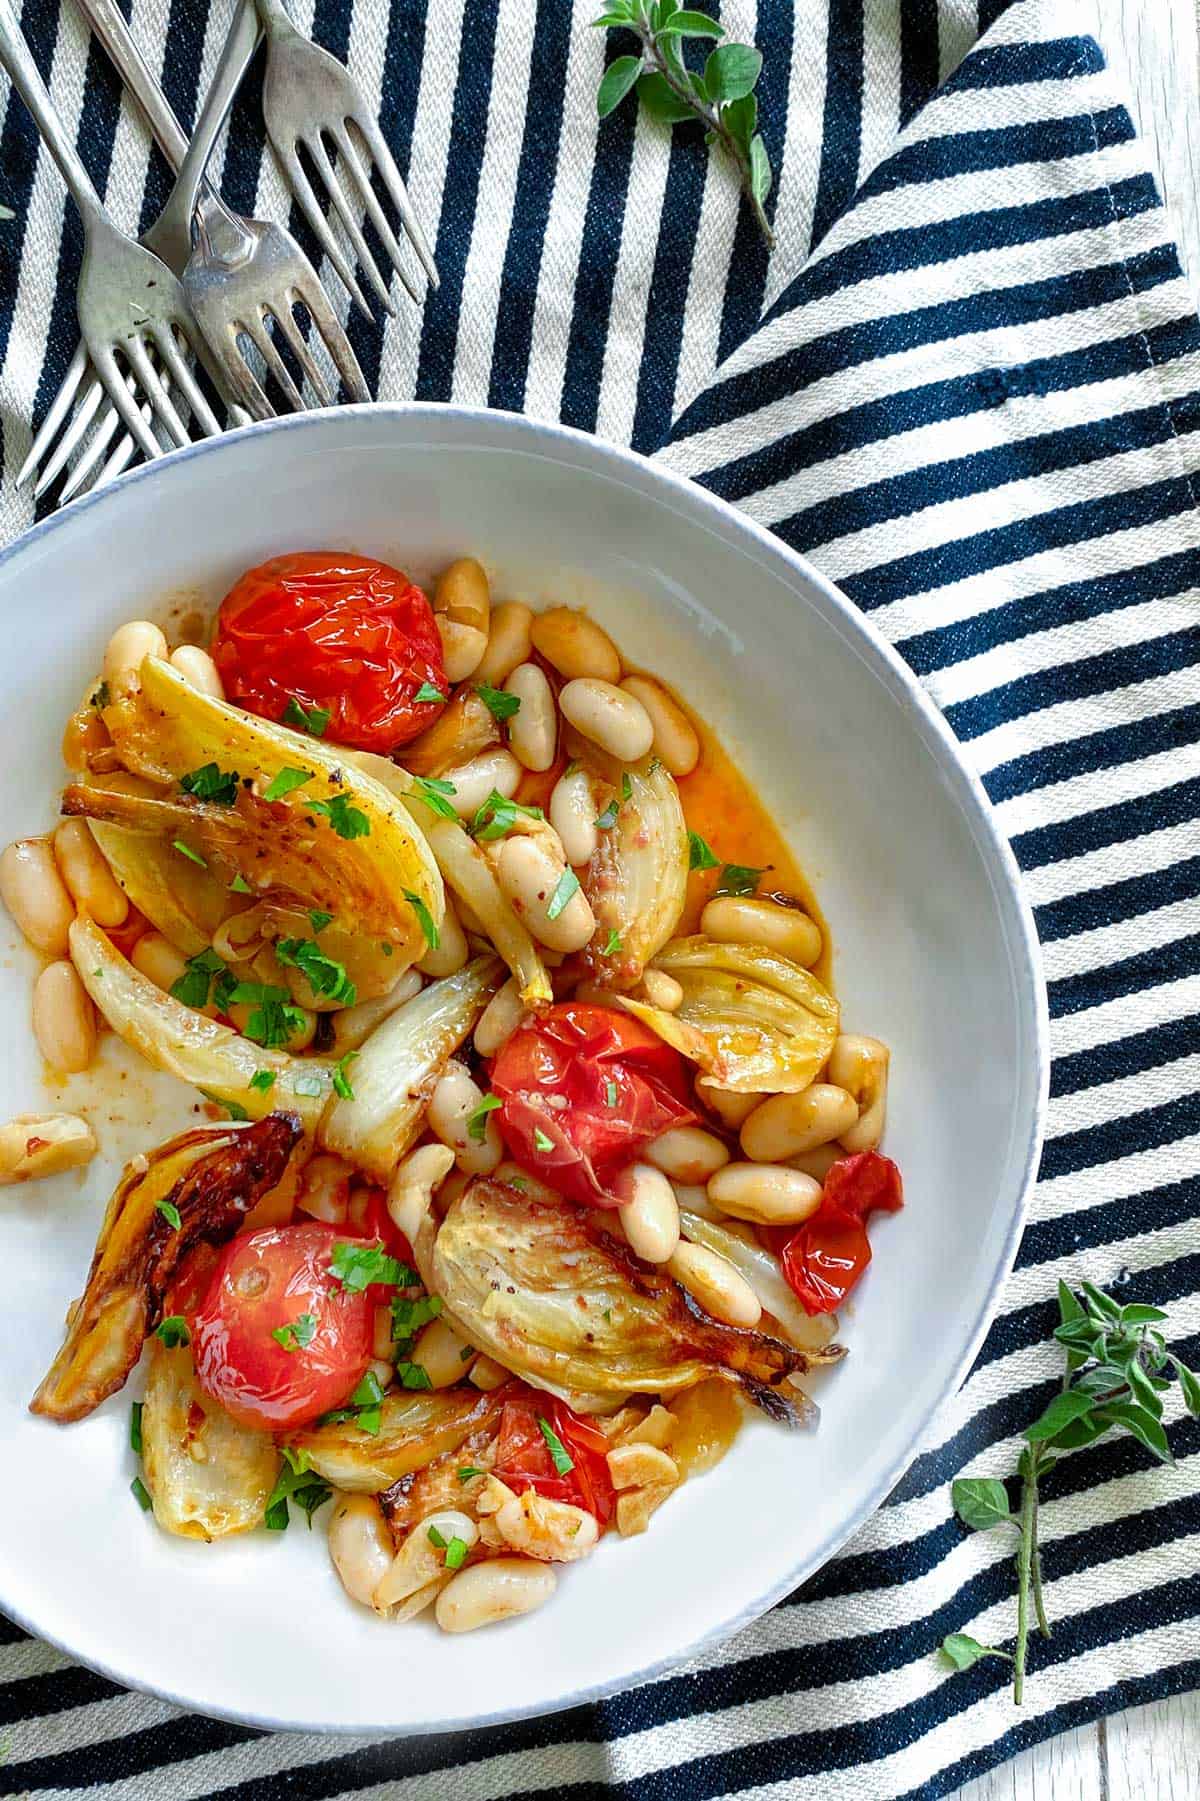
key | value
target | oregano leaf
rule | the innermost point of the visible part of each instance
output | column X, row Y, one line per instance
column 619, row 78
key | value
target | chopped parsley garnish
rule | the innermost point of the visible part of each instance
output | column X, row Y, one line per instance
column 210, row 783
column 608, row 819
column 612, row 943
column 435, row 1538
column 135, row 1427
column 286, row 782
column 312, row 720
column 170, row 1213
column 318, row 920
column 499, row 704
column 347, row 821
column 477, row 1121
column 498, row 815
column 434, row 793
column 409, row 1315
column 274, row 1016
column 362, row 1409
column 295, row 1483
column 325, row 975
column 468, row 1472
column 700, row 854
column 412, row 1375
column 427, row 692
column 240, row 885
column 736, row 878
column 560, row 1457
column 299, row 1332
column 185, row 850
column 141, row 1494
column 192, row 988
column 234, row 1109
column 541, row 1142
column 341, row 1081
column 424, row 919
column 357, row 1266
column 101, row 697
column 173, row 1331
column 263, row 1080
column 456, row 1554
column 566, row 888
column 465, row 1355
column 610, row 1094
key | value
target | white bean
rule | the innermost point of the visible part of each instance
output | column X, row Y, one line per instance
column 198, row 669
column 462, row 593
column 452, row 1105
column 36, row 895
column 64, row 1020
column 533, row 728
column 860, row 1065
column 360, row 1546
column 462, row 648
column 819, row 1162
column 575, row 645
column 649, row 1213
column 687, row 1154
column 352, row 1026
column 128, row 647
column 500, row 1018
column 675, row 740
column 44, row 1144
column 531, row 881
column 156, row 958
column 745, row 919
column 451, row 952
column 509, row 642
column 662, row 990
column 573, row 816
column 719, row 1288
column 87, row 875
column 608, row 716
column 496, row 1590
column 420, row 1560
column 410, row 1193
column 730, row 1108
column 443, row 1354
column 766, row 1193
column 473, row 782
column 787, row 1124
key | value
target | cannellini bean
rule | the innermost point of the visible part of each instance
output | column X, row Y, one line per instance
column 486, row 1374
column 443, row 1354
column 818, row 1163
column 43, row 1144
column 500, row 1018
column 473, row 782
column 608, row 716
column 451, row 952
column 719, row 1288
column 156, row 958
column 551, row 1531
column 766, row 1193
column 420, row 1559
column 64, row 1020
column 575, row 645
column 687, row 1154
column 530, row 878
column 675, row 740
column 692, row 1197
column 462, row 593
column 352, row 1026
column 87, row 875
column 36, row 895
column 410, row 1194
column 452, row 1105
column 198, row 669
column 300, row 1035
column 496, row 1590
column 533, row 728
column 462, row 648
column 573, row 816
column 860, row 1066
column 745, row 919
column 324, row 1191
column 662, row 990
column 787, row 1124
column 360, row 1546
column 730, row 1108
column 649, row 1213
column 383, row 1371
column 510, row 641
column 128, row 647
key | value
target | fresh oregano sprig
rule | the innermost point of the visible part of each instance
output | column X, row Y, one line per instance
column 1115, row 1377
column 721, row 95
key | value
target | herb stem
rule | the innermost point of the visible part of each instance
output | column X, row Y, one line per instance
column 710, row 118
column 1024, row 1567
column 1036, row 1560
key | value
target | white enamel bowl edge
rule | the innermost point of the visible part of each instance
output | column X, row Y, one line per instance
column 936, row 954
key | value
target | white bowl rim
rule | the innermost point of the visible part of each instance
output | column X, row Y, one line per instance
column 620, row 463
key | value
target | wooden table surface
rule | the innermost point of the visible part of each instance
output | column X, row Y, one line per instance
column 1153, row 46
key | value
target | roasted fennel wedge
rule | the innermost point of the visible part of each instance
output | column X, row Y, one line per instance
column 209, row 1181
column 414, row 1429
column 637, row 880
column 554, row 1298
column 301, row 825
column 754, row 1021
column 208, row 1477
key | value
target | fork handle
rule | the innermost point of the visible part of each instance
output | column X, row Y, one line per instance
column 17, row 58
column 108, row 22
column 240, row 46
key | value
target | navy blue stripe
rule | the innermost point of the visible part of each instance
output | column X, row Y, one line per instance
column 1118, row 901
column 679, row 223
column 970, row 152
column 1116, row 1222
column 531, row 206
column 1144, row 1131
column 1128, row 1056
column 1141, row 738
column 989, row 12
column 179, row 78
column 1119, row 823
column 1011, row 65
column 841, row 129
column 918, row 55
column 742, row 300
column 1169, row 962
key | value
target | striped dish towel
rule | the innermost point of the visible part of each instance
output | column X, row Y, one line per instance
column 967, row 384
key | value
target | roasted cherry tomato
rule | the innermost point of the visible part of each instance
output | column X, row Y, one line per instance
column 279, row 1281
column 343, row 634
column 524, row 1459
column 193, row 1279
column 826, row 1257
column 584, row 1089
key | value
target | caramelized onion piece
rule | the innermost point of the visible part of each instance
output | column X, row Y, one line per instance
column 636, row 881
column 414, row 1429
column 208, row 1477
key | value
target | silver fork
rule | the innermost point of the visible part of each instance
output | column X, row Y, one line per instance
column 127, row 299
column 309, row 96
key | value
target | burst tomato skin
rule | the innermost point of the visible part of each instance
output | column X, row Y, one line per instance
column 827, row 1256
column 264, row 1281
column 345, row 633
column 523, row 1457
column 584, row 1089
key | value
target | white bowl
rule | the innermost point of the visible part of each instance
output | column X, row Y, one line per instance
column 935, row 954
